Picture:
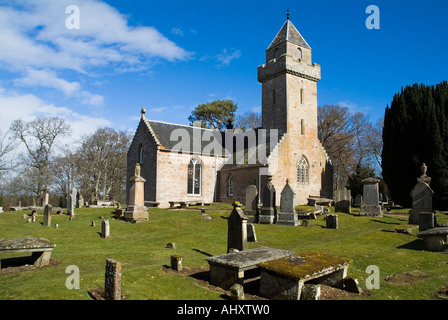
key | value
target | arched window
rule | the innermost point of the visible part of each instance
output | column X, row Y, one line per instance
column 140, row 154
column 299, row 54
column 194, row 177
column 303, row 171
column 230, row 186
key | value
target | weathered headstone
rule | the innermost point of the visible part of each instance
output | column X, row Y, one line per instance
column 251, row 200
column 268, row 211
column 105, row 229
column 370, row 206
column 176, row 262
column 421, row 201
column 47, row 215
column 426, row 221
column 331, row 221
column 45, row 197
column 237, row 292
column 79, row 199
column 342, row 199
column 358, row 200
column 112, row 283
column 237, row 229
column 287, row 214
column 136, row 210
column 251, row 235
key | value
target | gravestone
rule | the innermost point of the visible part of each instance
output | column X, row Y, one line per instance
column 251, row 200
column 105, row 229
column 79, row 199
column 268, row 211
column 71, row 199
column 136, row 210
column 251, row 235
column 46, row 197
column 426, row 221
column 421, row 201
column 176, row 262
column 237, row 229
column 370, row 206
column 47, row 215
column 112, row 282
column 342, row 199
column 358, row 200
column 287, row 214
column 331, row 221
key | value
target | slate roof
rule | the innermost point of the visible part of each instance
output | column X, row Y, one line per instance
column 289, row 33
column 162, row 133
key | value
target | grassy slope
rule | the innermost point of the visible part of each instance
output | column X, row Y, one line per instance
column 141, row 250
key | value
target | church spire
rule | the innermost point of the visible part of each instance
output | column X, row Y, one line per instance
column 289, row 33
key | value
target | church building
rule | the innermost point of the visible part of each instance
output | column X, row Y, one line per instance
column 190, row 163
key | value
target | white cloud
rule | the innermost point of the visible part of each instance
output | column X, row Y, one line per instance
column 26, row 107
column 353, row 107
column 224, row 58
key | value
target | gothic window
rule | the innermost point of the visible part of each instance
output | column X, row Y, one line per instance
column 299, row 54
column 230, row 186
column 194, row 177
column 303, row 171
column 140, row 154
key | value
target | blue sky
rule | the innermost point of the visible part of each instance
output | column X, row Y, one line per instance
column 169, row 56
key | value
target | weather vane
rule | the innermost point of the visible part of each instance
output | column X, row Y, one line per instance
column 287, row 14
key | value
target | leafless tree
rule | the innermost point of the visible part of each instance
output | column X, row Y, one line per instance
column 101, row 162
column 248, row 120
column 39, row 136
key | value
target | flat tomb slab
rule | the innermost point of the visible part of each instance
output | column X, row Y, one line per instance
column 284, row 278
column 436, row 239
column 39, row 247
column 227, row 269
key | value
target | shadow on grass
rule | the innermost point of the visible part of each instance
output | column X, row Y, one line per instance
column 417, row 244
column 202, row 252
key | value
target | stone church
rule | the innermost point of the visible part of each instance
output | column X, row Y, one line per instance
column 190, row 163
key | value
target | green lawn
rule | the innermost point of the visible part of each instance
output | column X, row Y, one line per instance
column 141, row 250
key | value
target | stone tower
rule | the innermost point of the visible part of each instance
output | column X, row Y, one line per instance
column 289, row 84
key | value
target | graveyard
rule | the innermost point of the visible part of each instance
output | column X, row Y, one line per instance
column 406, row 269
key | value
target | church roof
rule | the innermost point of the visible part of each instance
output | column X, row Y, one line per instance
column 162, row 133
column 289, row 33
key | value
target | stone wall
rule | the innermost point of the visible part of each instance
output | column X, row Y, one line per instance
column 172, row 177
column 143, row 138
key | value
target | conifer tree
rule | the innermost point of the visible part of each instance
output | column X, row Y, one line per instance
column 415, row 132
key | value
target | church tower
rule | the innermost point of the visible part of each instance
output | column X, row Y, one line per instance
column 289, row 84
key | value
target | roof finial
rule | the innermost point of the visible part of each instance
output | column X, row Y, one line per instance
column 143, row 112
column 287, row 14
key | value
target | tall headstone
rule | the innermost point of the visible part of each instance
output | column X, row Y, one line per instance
column 47, row 215
column 251, row 201
column 79, row 199
column 136, row 210
column 46, row 197
column 287, row 214
column 105, row 229
column 421, row 197
column 268, row 211
column 112, row 282
column 426, row 221
column 237, row 229
column 342, row 200
column 370, row 206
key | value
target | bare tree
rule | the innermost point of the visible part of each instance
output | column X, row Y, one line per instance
column 248, row 120
column 39, row 136
column 6, row 146
column 102, row 164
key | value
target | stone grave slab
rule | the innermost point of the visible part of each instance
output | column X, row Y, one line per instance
column 40, row 249
column 284, row 278
column 227, row 269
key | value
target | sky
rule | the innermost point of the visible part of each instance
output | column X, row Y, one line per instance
column 169, row 56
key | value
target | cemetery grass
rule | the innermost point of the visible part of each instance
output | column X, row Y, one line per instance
column 407, row 272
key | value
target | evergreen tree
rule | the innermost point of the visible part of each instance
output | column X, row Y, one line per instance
column 415, row 132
